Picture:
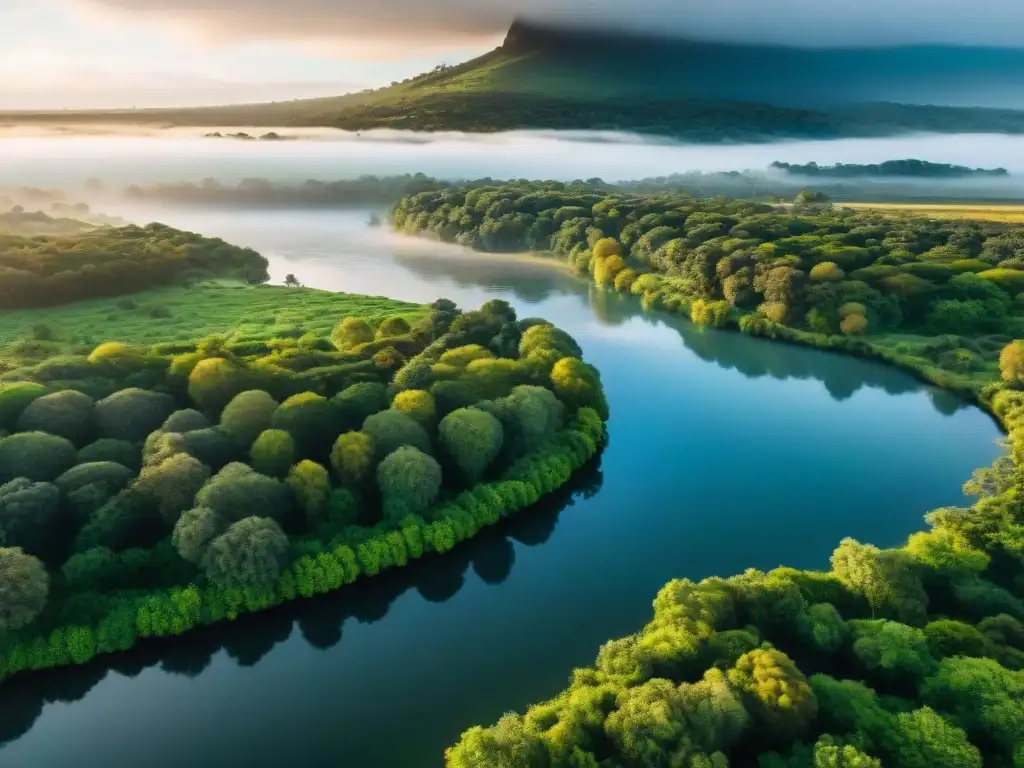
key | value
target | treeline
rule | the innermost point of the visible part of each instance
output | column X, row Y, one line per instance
column 913, row 168
column 247, row 474
column 50, row 271
column 837, row 275
column 912, row 656
column 262, row 193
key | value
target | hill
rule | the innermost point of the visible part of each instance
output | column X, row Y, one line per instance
column 544, row 77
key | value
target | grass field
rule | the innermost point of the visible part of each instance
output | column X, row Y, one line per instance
column 1008, row 214
column 185, row 314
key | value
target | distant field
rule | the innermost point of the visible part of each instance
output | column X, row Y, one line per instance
column 1013, row 214
column 184, row 314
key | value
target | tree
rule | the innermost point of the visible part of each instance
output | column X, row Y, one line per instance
column 351, row 332
column 926, row 740
column 237, row 492
column 111, row 475
column 1011, row 362
column 195, row 531
column 390, row 430
column 35, row 455
column 249, row 554
column 506, row 744
column 418, row 404
column 273, row 453
column 826, row 271
column 776, row 693
column 352, row 457
column 29, row 515
column 854, row 325
column 311, row 421
column 24, row 587
column 410, row 479
column 311, row 485
column 247, row 415
column 119, row 451
column 67, row 414
column 535, row 415
column 884, row 578
column 215, row 382
column 473, row 439
column 172, row 484
column 292, row 281
column 545, row 336
column 892, row 649
column 578, row 385
column 132, row 414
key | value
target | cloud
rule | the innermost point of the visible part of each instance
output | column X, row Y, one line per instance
column 410, row 25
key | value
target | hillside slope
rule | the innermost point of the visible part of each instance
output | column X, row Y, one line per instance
column 563, row 79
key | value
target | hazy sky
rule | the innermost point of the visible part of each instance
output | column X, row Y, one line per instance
column 112, row 53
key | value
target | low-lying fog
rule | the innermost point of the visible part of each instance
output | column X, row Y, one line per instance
column 148, row 155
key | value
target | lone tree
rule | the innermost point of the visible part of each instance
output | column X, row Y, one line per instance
column 292, row 281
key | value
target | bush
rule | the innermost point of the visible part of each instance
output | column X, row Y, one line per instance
column 352, row 457
column 172, row 484
column 826, row 271
column 36, row 456
column 110, row 474
column 546, row 336
column 237, row 492
column 709, row 313
column 473, row 439
column 212, row 446
column 854, row 325
column 390, row 430
column 578, row 385
column 105, row 449
column 273, row 453
column 214, row 382
column 67, row 414
column 311, row 485
column 419, row 405
column 188, row 420
column 29, row 516
column 355, row 403
column 26, row 585
column 15, row 397
column 409, row 479
column 1011, row 362
column 132, row 414
column 393, row 326
column 248, row 555
column 310, row 420
column 195, row 531
column 351, row 332
column 247, row 415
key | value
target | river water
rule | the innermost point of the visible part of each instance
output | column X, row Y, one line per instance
column 725, row 453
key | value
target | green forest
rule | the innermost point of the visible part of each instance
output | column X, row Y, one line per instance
column 910, row 656
column 890, row 168
column 51, row 271
column 940, row 298
column 146, row 489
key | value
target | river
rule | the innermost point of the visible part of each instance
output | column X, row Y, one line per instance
column 725, row 453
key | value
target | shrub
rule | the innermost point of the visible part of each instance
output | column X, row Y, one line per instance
column 827, row 271
column 29, row 516
column 546, row 336
column 187, row 420
column 311, row 485
column 351, row 332
column 110, row 474
column 709, row 313
column 115, row 352
column 393, row 326
column 26, row 585
column 15, row 397
column 237, row 492
column 410, row 479
column 132, row 414
column 36, row 456
column 66, row 414
column 578, row 385
column 352, row 457
column 419, row 405
column 249, row 555
column 1011, row 362
column 247, row 415
column 273, row 453
column 473, row 439
column 105, row 449
column 854, row 325
column 354, row 404
column 215, row 381
column 310, row 420
column 212, row 446
column 195, row 531
column 172, row 484
column 390, row 430
column 776, row 692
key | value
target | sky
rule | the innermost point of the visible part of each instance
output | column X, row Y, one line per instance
column 73, row 54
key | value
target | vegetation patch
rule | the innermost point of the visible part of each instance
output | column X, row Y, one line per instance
column 149, row 489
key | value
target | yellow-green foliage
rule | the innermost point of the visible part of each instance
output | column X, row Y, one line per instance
column 352, row 457
column 417, row 403
column 710, row 313
column 1011, row 362
column 854, row 325
column 827, row 271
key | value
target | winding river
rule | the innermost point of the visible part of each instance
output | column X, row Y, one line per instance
column 725, row 453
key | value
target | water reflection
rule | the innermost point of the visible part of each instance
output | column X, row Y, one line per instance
column 320, row 621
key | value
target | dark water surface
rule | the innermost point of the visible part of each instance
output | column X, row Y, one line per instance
column 725, row 453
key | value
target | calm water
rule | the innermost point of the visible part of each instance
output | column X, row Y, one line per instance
column 725, row 453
